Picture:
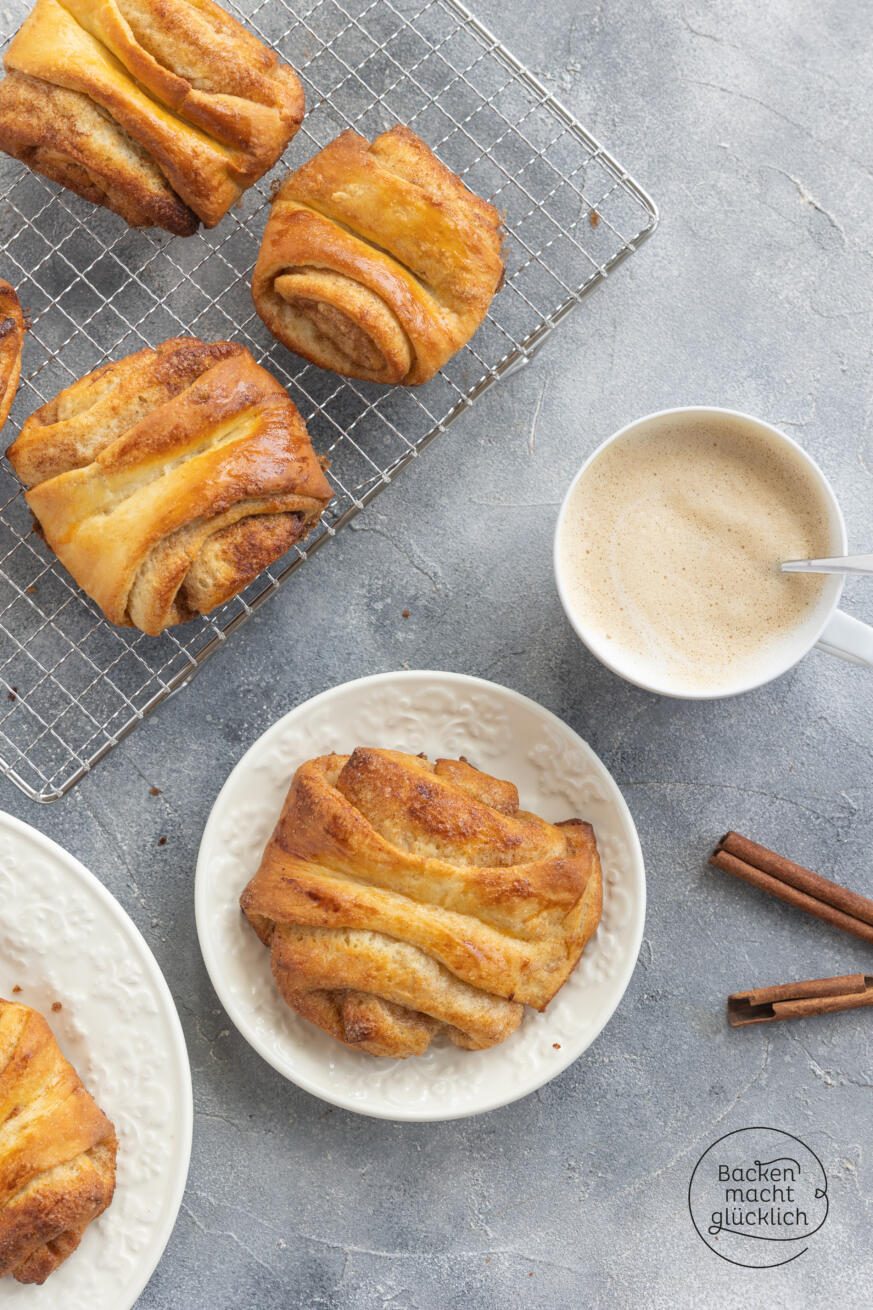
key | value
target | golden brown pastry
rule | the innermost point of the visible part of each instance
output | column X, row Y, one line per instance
column 66, row 137
column 12, row 329
column 57, row 1150
column 376, row 261
column 166, row 481
column 163, row 110
column 401, row 898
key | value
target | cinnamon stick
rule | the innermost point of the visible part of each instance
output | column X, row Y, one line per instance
column 795, row 885
column 799, row 1000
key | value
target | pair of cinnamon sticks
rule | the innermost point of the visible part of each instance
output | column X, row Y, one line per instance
column 816, row 895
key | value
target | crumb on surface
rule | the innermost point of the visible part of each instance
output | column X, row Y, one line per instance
column 162, row 841
column 154, row 791
column 16, row 989
column 405, row 614
column 56, row 1006
column 594, row 218
column 556, row 1046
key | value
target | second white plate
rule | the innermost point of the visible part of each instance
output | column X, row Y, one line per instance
column 65, row 942
column 442, row 714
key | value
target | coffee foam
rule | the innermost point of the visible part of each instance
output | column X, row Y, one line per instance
column 669, row 551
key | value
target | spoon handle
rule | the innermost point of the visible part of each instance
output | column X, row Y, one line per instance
column 846, row 564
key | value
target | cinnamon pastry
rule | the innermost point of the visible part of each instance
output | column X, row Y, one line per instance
column 163, row 110
column 57, row 1150
column 12, row 330
column 376, row 261
column 166, row 481
column 400, row 899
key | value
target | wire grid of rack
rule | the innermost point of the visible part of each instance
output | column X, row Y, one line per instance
column 71, row 685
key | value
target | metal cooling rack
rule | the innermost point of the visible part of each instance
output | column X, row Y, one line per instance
column 71, row 686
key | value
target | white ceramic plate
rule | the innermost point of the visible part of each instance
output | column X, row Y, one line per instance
column 64, row 939
column 448, row 714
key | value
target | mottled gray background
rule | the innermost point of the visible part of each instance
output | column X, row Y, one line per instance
column 751, row 125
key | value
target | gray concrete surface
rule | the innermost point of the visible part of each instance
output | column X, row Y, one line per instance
column 751, row 124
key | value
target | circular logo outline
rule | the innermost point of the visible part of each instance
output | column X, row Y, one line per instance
column 823, row 1192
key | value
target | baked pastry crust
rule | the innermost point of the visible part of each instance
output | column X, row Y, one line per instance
column 57, row 1150
column 166, row 481
column 163, row 110
column 377, row 261
column 66, row 137
column 401, row 898
column 12, row 329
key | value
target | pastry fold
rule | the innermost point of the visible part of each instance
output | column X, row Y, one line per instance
column 12, row 329
column 166, row 481
column 163, row 110
column 401, row 898
column 377, row 262
column 57, row 1150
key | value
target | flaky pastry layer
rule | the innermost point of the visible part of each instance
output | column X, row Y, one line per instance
column 163, row 110
column 166, row 481
column 401, row 898
column 377, row 261
column 12, row 330
column 57, row 1150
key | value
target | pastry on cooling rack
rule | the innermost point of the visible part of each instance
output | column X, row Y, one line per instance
column 163, row 110
column 12, row 330
column 401, row 899
column 166, row 481
column 57, row 1150
column 377, row 261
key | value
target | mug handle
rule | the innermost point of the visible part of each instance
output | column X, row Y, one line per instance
column 849, row 638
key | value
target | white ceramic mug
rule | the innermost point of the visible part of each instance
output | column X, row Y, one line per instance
column 826, row 626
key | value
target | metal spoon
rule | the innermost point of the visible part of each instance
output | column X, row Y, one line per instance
column 846, row 564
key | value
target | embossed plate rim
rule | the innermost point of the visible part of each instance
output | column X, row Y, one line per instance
column 168, row 1202
column 209, row 910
